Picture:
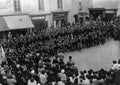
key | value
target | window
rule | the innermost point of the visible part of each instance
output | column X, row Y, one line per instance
column 60, row 4
column 17, row 5
column 41, row 5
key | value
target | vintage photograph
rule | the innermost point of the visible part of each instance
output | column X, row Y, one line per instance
column 59, row 42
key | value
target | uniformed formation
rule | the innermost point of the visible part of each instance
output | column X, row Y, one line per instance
column 70, row 38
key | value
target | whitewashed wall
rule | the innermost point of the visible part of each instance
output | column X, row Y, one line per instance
column 31, row 6
column 118, row 12
column 109, row 4
column 6, row 6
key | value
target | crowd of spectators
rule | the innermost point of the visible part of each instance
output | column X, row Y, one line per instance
column 45, row 71
column 28, row 56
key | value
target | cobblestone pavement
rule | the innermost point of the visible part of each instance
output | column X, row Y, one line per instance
column 96, row 57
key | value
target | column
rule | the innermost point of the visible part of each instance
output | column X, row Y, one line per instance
column 54, row 23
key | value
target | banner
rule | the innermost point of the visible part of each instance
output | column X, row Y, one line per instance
column 2, row 54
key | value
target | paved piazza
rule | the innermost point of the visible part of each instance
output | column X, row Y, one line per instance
column 96, row 57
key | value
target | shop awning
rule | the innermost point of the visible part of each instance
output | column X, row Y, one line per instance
column 15, row 22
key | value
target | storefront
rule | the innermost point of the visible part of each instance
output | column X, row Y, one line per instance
column 82, row 16
column 60, row 19
column 110, row 13
column 39, row 22
column 15, row 24
column 96, row 12
column 105, row 14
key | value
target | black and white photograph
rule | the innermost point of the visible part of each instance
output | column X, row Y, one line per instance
column 59, row 42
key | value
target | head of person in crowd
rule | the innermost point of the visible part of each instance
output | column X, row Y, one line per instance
column 4, row 77
column 62, row 71
column 10, row 76
column 18, row 66
column 32, row 79
column 33, row 72
column 43, row 71
column 119, row 61
column 55, row 61
column 114, row 61
column 70, row 57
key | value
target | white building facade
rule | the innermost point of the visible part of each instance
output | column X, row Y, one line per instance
column 55, row 12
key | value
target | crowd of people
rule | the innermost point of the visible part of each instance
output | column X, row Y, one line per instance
column 28, row 60
column 45, row 71
column 70, row 38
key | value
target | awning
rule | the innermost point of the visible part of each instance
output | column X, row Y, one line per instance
column 15, row 22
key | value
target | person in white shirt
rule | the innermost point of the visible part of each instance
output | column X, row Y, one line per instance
column 59, row 82
column 32, row 81
column 86, row 81
column 11, row 80
column 42, row 77
column 115, row 66
column 62, row 75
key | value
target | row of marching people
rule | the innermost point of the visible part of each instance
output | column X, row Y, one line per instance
column 74, row 38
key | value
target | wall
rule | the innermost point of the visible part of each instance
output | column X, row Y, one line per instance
column 32, row 7
column 85, row 5
column 49, row 19
column 27, row 6
column 74, row 8
column 53, row 5
column 6, row 7
column 108, row 4
column 118, row 12
column 68, row 5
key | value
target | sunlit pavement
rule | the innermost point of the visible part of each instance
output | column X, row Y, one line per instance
column 96, row 57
